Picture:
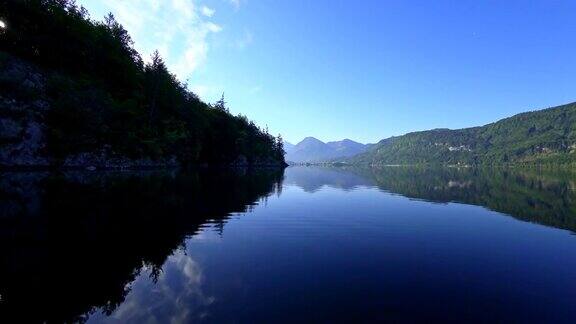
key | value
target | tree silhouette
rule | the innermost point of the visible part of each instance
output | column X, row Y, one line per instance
column 102, row 94
column 221, row 104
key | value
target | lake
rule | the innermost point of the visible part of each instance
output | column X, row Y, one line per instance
column 308, row 244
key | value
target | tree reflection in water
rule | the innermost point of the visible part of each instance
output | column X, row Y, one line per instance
column 110, row 246
column 72, row 242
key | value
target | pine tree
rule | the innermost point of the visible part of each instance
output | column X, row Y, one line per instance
column 279, row 146
column 221, row 104
column 154, row 72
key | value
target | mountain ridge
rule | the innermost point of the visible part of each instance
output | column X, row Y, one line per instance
column 311, row 149
column 546, row 136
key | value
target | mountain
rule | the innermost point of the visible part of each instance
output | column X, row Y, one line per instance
column 347, row 147
column 311, row 149
column 288, row 147
column 540, row 137
column 308, row 150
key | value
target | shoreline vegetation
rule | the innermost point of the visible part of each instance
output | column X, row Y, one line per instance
column 74, row 93
column 527, row 166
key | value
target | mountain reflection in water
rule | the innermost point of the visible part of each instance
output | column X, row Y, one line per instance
column 544, row 197
column 335, row 244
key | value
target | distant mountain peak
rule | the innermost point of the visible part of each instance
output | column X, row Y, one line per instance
column 311, row 149
column 310, row 139
column 345, row 141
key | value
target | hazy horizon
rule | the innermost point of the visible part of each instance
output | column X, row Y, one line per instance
column 364, row 71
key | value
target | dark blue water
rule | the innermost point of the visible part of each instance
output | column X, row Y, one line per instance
column 312, row 245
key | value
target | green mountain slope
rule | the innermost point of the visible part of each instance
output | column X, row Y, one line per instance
column 540, row 137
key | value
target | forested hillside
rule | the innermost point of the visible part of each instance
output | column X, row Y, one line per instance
column 540, row 137
column 74, row 91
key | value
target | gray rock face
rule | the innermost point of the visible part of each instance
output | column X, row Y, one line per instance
column 106, row 160
column 242, row 161
column 23, row 77
column 23, row 142
column 22, row 135
column 28, row 151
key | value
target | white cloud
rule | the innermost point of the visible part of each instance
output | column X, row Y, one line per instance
column 185, row 7
column 177, row 297
column 207, row 11
column 213, row 27
column 179, row 29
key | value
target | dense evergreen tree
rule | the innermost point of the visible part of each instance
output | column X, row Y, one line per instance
column 280, row 146
column 103, row 95
column 221, row 104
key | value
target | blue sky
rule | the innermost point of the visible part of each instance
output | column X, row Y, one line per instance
column 364, row 70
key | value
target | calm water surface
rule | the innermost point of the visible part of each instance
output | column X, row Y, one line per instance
column 305, row 245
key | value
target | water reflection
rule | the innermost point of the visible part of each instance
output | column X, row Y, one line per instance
column 176, row 296
column 77, row 239
column 311, row 179
column 183, row 247
column 539, row 196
